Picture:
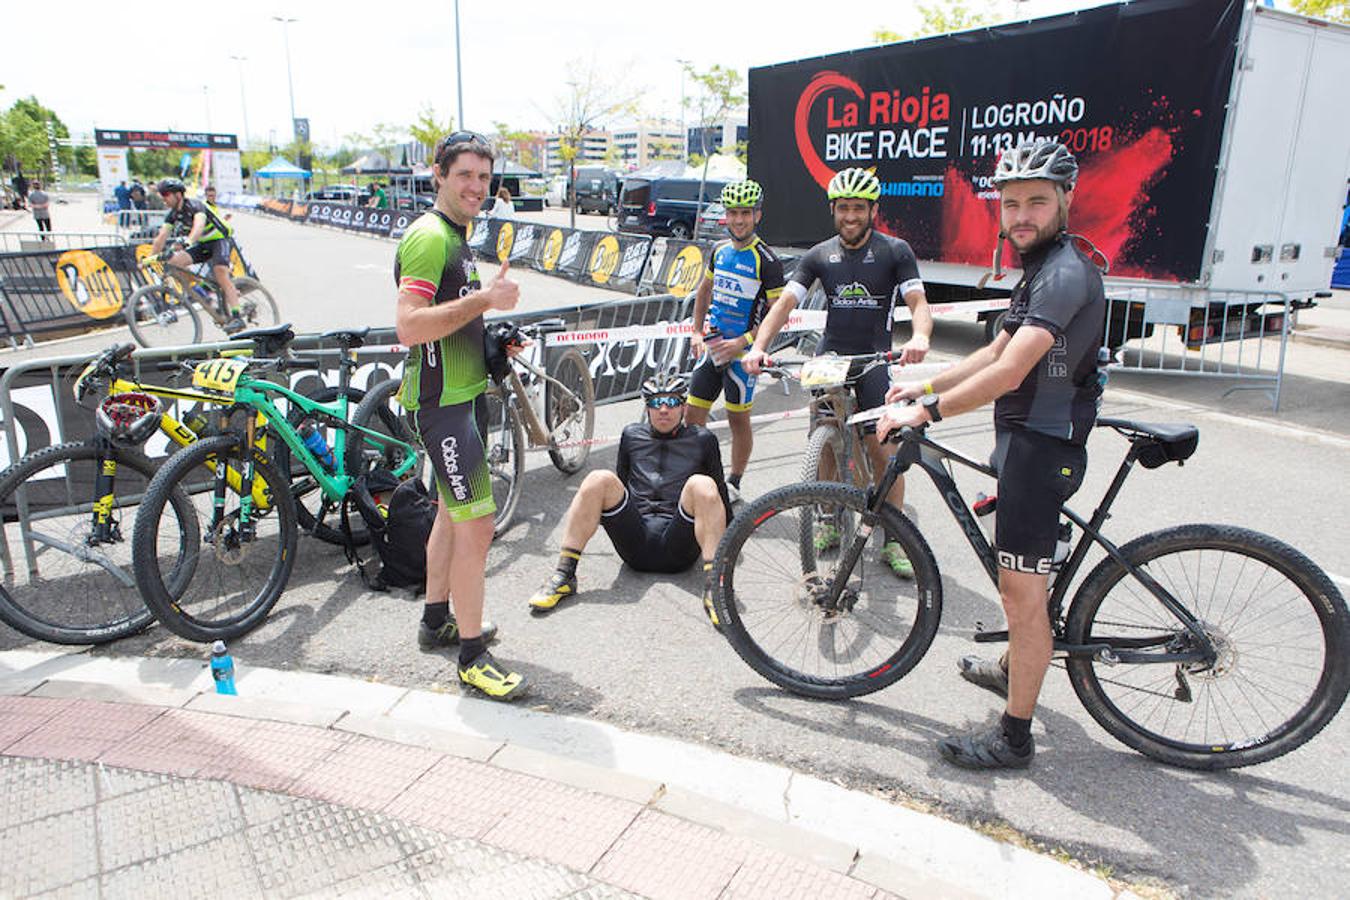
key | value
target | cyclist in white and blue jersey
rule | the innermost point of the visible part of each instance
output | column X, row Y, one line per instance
column 744, row 277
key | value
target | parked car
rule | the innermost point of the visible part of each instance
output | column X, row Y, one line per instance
column 597, row 189
column 404, row 200
column 663, row 206
column 341, row 193
column 556, row 192
column 712, row 224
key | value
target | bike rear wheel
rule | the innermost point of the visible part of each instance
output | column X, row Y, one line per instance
column 504, row 444
column 236, row 578
column 160, row 316
column 80, row 589
column 256, row 306
column 1280, row 627
column 772, row 597
column 569, row 414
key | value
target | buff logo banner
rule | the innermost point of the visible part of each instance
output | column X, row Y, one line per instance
column 617, row 261
column 275, row 207
column 525, row 244
column 683, row 264
column 60, row 290
column 932, row 117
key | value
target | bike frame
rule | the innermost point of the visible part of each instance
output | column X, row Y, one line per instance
column 918, row 449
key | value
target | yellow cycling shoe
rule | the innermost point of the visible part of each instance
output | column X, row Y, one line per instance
column 485, row 674
column 557, row 587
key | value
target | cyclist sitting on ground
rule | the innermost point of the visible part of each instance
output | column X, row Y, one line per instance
column 207, row 238
column 1041, row 371
column 441, row 302
column 743, row 278
column 862, row 272
column 664, row 503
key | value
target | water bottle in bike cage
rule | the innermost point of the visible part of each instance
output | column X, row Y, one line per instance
column 316, row 444
column 196, row 423
column 984, row 507
column 1062, row 544
column 201, row 292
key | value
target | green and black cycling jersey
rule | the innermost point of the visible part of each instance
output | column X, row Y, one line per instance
column 1060, row 291
column 861, row 286
column 179, row 221
column 434, row 261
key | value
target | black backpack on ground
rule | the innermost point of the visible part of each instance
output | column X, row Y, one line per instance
column 398, row 530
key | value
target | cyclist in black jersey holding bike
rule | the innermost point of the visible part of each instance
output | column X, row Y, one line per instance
column 664, row 504
column 862, row 272
column 206, row 237
column 1042, row 373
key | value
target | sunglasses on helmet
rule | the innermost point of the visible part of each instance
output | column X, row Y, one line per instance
column 667, row 401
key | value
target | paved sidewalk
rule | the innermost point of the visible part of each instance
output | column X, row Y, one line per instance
column 128, row 777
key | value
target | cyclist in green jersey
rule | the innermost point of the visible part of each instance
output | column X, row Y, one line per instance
column 440, row 318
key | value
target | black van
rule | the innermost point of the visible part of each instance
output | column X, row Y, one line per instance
column 663, row 206
column 597, row 189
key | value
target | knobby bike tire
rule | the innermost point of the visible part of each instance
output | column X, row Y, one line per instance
column 210, row 608
column 143, row 308
column 504, row 445
column 89, row 605
column 1196, row 563
column 576, row 410
column 303, row 485
column 256, row 306
column 826, row 442
column 765, row 601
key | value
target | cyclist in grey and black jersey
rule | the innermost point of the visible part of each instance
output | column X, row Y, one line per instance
column 1041, row 371
column 862, row 271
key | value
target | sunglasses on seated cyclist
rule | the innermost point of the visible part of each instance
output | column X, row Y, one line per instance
column 669, row 401
column 460, row 137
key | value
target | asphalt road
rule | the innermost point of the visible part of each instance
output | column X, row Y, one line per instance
column 636, row 651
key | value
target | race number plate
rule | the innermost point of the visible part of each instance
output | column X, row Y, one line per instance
column 219, row 375
column 825, row 372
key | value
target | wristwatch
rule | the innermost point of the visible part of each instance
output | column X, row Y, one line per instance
column 930, row 403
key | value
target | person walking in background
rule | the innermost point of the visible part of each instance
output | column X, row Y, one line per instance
column 502, row 207
column 41, row 205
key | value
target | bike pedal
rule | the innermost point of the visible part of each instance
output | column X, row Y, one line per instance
column 990, row 637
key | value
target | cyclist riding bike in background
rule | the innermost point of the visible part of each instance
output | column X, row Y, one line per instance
column 744, row 277
column 207, row 238
column 663, row 506
column 862, row 271
column 1042, row 374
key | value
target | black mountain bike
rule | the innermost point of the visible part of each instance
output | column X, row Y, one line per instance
column 1203, row 646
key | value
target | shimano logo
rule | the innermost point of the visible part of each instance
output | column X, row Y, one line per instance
column 450, row 457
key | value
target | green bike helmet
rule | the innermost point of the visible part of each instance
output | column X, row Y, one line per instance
column 742, row 194
column 855, row 182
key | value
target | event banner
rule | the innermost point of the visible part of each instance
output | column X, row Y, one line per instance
column 617, row 261
column 1137, row 91
column 681, row 268
column 382, row 222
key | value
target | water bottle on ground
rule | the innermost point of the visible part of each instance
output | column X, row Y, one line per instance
column 317, row 445
column 222, row 669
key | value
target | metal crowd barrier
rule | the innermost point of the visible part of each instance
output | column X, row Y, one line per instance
column 138, row 224
column 1200, row 333
column 38, row 241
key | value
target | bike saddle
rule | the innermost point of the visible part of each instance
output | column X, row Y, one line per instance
column 1168, row 442
column 348, row 337
column 270, row 340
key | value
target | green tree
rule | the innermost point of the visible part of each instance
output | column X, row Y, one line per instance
column 944, row 16
column 717, row 92
column 23, row 137
column 1337, row 10
column 592, row 99
column 430, row 127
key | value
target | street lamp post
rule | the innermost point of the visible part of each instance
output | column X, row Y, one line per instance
column 286, row 39
column 243, row 100
column 684, row 132
column 459, row 71
column 206, row 98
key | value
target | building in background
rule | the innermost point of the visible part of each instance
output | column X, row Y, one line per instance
column 640, row 143
column 723, row 136
column 593, row 151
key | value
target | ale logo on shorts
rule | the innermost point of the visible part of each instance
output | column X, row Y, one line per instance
column 89, row 284
column 604, row 259
column 506, row 237
column 685, row 271
column 553, row 245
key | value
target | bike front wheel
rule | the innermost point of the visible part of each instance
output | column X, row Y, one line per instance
column 159, row 316
column 780, row 614
column 239, row 570
column 1279, row 626
column 504, row 445
column 569, row 412
column 66, row 580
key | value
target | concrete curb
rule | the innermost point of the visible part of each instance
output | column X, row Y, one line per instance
column 900, row 850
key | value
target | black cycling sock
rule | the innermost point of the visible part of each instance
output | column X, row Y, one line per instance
column 435, row 614
column 567, row 561
column 469, row 650
column 735, row 480
column 1017, row 731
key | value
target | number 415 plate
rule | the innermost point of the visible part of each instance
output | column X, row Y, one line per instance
column 218, row 375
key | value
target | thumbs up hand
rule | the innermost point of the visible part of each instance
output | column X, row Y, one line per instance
column 503, row 293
